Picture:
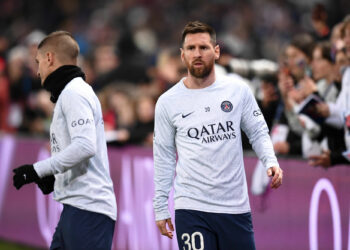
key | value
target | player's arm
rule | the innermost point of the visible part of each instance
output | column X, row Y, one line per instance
column 164, row 155
column 254, row 125
column 80, row 122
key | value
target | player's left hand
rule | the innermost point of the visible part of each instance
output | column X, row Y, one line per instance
column 46, row 184
column 23, row 175
column 277, row 174
column 162, row 226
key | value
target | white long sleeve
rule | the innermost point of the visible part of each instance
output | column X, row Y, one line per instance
column 203, row 126
column 79, row 158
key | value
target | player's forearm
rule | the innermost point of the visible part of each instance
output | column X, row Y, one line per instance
column 81, row 149
column 164, row 171
column 263, row 148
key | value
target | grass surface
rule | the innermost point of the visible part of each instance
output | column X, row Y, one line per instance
column 4, row 245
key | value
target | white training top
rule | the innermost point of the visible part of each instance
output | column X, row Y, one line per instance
column 203, row 127
column 79, row 158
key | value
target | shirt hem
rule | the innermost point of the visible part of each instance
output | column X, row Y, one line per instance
column 222, row 211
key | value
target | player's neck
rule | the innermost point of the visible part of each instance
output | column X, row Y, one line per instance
column 192, row 82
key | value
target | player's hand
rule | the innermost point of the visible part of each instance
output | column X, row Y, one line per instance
column 46, row 184
column 161, row 224
column 277, row 174
column 23, row 175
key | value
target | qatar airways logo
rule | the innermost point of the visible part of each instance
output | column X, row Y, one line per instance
column 213, row 132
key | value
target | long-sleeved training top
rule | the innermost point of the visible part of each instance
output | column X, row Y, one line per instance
column 203, row 126
column 79, row 158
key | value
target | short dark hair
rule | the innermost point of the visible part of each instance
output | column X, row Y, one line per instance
column 326, row 50
column 305, row 43
column 194, row 27
column 63, row 43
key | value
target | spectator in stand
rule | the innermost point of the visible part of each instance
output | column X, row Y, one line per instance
column 338, row 114
column 336, row 40
column 118, row 114
column 322, row 137
column 270, row 99
column 319, row 18
column 345, row 33
column 323, row 72
column 298, row 56
column 142, row 132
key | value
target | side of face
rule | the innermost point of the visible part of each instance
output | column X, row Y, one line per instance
column 347, row 41
column 45, row 61
column 296, row 61
column 321, row 67
column 199, row 54
column 340, row 62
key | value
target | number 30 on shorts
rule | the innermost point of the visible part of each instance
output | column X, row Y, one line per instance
column 190, row 241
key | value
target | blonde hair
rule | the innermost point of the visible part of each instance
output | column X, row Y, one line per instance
column 63, row 44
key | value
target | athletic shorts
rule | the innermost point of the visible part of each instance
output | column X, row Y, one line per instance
column 213, row 231
column 79, row 229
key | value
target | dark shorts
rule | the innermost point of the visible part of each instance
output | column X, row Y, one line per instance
column 80, row 229
column 213, row 231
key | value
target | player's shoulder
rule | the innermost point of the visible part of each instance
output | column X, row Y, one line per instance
column 78, row 86
column 235, row 81
column 172, row 94
column 77, row 89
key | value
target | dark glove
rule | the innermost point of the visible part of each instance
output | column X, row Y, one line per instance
column 23, row 175
column 46, row 184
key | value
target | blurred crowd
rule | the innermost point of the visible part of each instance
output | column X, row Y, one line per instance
column 293, row 54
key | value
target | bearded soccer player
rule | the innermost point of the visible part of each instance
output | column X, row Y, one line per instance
column 78, row 170
column 200, row 119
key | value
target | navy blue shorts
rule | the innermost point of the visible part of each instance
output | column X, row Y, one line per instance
column 213, row 231
column 81, row 229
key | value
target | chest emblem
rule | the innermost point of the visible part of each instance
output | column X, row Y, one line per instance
column 226, row 106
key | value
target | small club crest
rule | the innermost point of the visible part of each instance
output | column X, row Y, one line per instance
column 226, row 106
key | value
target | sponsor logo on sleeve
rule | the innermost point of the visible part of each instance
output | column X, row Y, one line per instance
column 257, row 112
column 82, row 122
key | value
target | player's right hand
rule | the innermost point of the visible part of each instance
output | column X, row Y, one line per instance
column 161, row 224
column 23, row 175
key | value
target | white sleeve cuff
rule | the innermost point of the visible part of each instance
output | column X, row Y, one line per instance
column 43, row 168
column 162, row 215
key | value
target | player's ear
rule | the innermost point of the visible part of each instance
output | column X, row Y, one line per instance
column 182, row 54
column 217, row 51
column 50, row 57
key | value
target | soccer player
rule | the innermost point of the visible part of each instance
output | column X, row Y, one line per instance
column 200, row 119
column 78, row 170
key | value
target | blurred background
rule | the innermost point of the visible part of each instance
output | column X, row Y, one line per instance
column 130, row 51
column 285, row 50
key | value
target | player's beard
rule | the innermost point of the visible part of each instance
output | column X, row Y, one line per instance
column 201, row 72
